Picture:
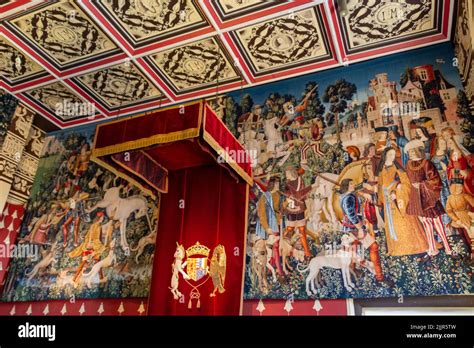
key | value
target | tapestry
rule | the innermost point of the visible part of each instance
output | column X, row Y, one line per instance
column 363, row 183
column 86, row 229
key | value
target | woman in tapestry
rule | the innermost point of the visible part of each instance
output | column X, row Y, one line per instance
column 404, row 233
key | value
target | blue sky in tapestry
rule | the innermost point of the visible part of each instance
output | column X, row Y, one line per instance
column 361, row 73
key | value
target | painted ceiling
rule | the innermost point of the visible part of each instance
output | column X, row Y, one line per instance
column 127, row 57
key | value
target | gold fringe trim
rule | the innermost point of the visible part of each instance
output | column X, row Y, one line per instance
column 155, row 139
column 123, row 176
column 146, row 142
column 221, row 152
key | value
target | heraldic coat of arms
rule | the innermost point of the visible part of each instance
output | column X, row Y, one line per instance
column 196, row 269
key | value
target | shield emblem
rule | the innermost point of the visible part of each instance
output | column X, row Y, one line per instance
column 196, row 267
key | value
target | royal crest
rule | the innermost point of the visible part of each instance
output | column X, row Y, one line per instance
column 196, row 269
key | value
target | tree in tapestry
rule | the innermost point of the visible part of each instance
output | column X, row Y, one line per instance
column 363, row 183
column 70, row 222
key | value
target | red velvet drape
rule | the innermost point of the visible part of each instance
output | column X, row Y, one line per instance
column 214, row 213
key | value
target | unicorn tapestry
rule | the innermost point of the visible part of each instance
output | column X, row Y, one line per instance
column 90, row 233
column 363, row 180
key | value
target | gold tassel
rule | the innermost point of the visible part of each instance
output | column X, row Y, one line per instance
column 198, row 304
column 190, row 304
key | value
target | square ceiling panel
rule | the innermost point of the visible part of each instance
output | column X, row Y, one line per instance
column 142, row 22
column 119, row 85
column 15, row 66
column 194, row 66
column 57, row 99
column 285, row 42
column 62, row 34
column 375, row 23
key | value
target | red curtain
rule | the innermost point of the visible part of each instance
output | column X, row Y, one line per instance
column 214, row 213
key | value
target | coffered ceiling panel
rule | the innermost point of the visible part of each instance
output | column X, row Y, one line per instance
column 126, row 57
column 193, row 66
column 142, row 22
column 373, row 23
column 284, row 42
column 63, row 34
column 15, row 66
column 57, row 99
column 118, row 86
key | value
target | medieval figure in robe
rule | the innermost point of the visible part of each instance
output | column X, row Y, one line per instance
column 294, row 206
column 419, row 130
column 369, row 193
column 82, row 160
column 269, row 219
column 41, row 227
column 75, row 213
column 380, row 139
column 459, row 161
column 354, row 223
column 370, row 155
column 424, row 198
column 293, row 112
column 398, row 142
column 312, row 134
column 441, row 162
column 404, row 233
column 459, row 207
column 91, row 249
